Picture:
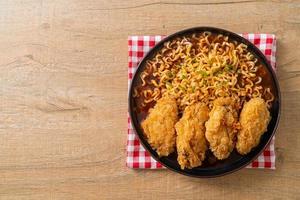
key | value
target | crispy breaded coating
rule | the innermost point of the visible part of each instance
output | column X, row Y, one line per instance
column 159, row 126
column 254, row 120
column 191, row 144
column 220, row 131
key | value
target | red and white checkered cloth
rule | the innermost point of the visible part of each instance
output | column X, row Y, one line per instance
column 138, row 46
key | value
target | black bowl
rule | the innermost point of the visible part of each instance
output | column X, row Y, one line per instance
column 211, row 167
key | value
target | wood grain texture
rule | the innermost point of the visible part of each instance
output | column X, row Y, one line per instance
column 63, row 98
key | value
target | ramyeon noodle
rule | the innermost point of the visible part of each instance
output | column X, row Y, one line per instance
column 201, row 68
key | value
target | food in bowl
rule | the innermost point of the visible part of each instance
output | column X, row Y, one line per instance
column 198, row 71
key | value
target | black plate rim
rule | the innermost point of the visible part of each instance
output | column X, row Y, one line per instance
column 138, row 131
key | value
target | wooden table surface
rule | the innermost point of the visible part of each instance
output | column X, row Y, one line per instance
column 64, row 98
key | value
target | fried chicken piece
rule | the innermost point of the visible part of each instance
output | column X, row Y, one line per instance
column 220, row 131
column 190, row 142
column 159, row 126
column 254, row 120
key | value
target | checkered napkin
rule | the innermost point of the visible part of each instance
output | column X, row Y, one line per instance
column 138, row 46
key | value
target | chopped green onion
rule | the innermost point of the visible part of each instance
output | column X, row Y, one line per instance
column 228, row 68
column 203, row 73
column 181, row 88
column 193, row 88
column 169, row 74
column 168, row 85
